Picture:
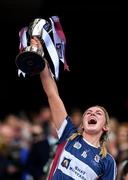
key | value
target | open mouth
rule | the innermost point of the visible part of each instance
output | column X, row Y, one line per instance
column 92, row 121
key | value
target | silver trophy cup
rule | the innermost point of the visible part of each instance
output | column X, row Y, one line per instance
column 31, row 59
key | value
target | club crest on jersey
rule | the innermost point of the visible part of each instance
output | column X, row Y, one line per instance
column 65, row 163
column 97, row 158
column 77, row 145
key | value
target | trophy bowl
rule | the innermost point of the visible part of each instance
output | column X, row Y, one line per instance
column 30, row 61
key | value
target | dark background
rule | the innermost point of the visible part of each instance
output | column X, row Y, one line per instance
column 94, row 51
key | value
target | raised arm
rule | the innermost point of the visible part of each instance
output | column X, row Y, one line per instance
column 56, row 105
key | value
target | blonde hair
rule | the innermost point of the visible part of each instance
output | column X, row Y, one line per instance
column 104, row 136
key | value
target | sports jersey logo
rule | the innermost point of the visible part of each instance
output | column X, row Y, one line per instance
column 65, row 163
column 97, row 158
column 84, row 154
column 77, row 145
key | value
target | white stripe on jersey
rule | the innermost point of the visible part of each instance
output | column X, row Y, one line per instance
column 75, row 168
column 61, row 130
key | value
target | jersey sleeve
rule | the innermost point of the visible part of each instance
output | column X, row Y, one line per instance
column 110, row 171
column 66, row 130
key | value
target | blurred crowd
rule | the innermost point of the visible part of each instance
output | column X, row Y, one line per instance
column 28, row 144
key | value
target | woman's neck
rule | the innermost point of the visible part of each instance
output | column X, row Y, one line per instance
column 92, row 139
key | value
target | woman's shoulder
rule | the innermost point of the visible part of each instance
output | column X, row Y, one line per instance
column 109, row 159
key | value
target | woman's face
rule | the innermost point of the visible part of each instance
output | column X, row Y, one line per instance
column 94, row 120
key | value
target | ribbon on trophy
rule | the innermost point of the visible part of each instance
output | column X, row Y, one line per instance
column 55, row 46
column 59, row 40
column 23, row 44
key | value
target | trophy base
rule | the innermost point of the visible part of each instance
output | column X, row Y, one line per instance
column 30, row 63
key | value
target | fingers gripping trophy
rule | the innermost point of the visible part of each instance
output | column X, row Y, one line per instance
column 39, row 35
